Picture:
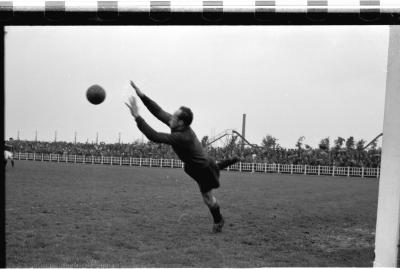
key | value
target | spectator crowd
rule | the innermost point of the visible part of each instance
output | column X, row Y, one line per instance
column 351, row 154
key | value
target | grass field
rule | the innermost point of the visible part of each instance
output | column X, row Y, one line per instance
column 80, row 215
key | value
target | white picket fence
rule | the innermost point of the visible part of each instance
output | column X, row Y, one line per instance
column 172, row 163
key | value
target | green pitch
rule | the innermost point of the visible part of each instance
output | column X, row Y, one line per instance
column 81, row 215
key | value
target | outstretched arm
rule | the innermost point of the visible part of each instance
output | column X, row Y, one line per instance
column 152, row 106
column 149, row 132
column 153, row 135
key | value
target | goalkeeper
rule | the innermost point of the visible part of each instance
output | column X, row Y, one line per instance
column 197, row 164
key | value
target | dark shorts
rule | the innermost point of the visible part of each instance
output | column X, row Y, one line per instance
column 207, row 178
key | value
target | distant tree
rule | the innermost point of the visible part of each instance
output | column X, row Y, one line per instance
column 232, row 141
column 231, row 145
column 339, row 142
column 204, row 141
column 299, row 143
column 350, row 143
column 324, row 144
column 360, row 144
column 269, row 142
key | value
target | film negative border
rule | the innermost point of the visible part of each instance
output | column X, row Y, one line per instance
column 209, row 6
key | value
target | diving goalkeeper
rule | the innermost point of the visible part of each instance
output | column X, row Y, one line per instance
column 197, row 164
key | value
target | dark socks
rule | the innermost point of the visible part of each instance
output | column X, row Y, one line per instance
column 216, row 214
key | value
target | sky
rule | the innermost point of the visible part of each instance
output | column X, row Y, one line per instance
column 290, row 81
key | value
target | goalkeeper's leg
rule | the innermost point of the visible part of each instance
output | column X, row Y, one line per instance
column 227, row 162
column 213, row 206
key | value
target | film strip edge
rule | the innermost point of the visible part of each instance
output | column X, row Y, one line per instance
column 274, row 6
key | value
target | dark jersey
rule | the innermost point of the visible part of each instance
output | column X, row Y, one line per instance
column 184, row 142
column 8, row 147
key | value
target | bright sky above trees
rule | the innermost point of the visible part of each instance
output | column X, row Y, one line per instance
column 312, row 81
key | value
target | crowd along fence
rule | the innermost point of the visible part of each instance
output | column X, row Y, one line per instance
column 363, row 172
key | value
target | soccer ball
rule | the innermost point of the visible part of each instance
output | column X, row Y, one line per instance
column 95, row 94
